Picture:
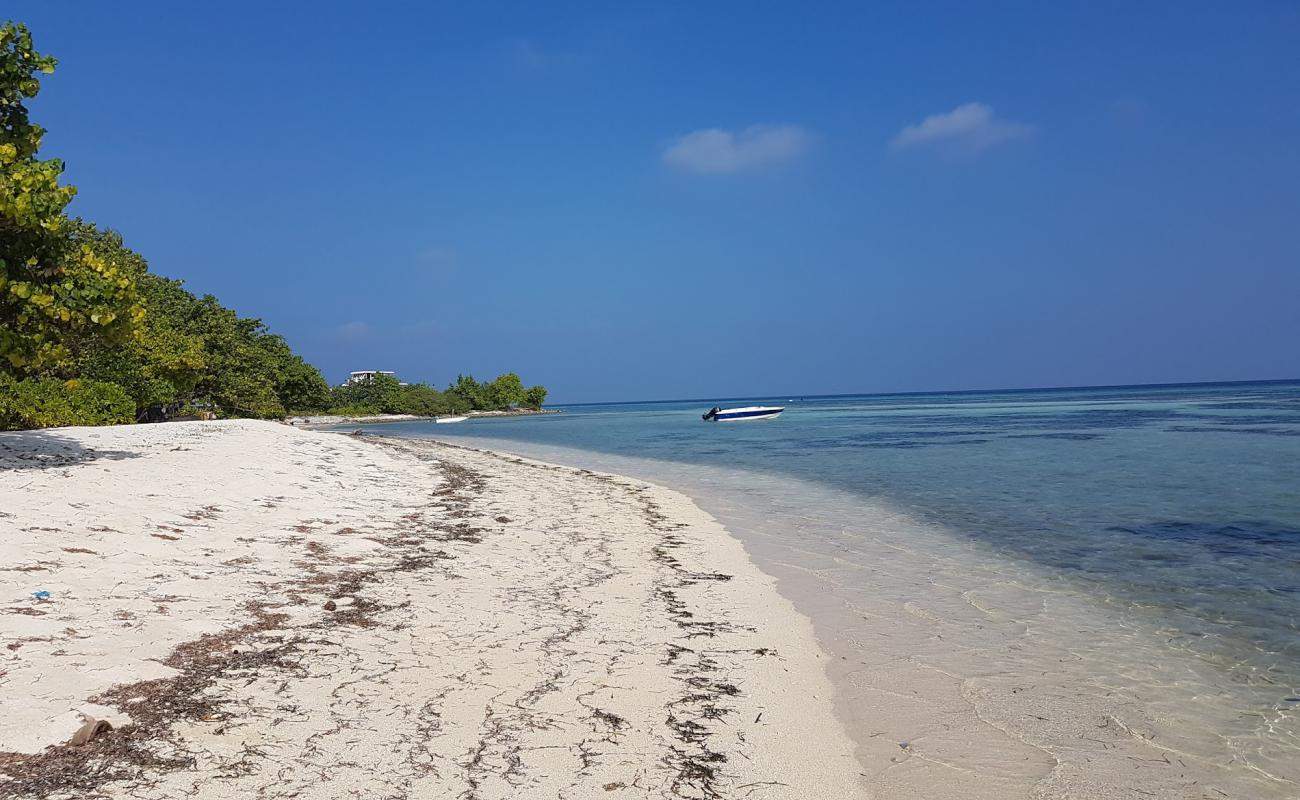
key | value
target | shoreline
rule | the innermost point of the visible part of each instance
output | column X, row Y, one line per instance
column 396, row 613
column 1001, row 681
column 318, row 421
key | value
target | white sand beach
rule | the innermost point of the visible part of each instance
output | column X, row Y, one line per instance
column 264, row 611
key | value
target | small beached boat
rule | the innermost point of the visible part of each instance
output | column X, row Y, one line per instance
column 717, row 414
column 441, row 420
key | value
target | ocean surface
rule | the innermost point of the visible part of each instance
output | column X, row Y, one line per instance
column 1159, row 523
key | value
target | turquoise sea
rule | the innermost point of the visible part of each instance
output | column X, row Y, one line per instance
column 1174, row 511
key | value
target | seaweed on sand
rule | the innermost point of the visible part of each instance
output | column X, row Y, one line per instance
column 147, row 744
column 150, row 745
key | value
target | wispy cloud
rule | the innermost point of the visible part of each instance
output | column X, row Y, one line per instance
column 970, row 128
column 354, row 332
column 715, row 150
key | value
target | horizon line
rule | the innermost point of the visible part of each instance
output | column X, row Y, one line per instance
column 915, row 393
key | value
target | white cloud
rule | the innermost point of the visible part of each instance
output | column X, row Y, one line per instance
column 714, row 150
column 354, row 331
column 971, row 127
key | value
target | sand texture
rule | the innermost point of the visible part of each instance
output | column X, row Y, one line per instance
column 261, row 611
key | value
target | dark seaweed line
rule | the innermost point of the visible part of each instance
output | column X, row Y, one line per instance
column 150, row 746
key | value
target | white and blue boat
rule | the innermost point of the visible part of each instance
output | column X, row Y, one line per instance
column 717, row 414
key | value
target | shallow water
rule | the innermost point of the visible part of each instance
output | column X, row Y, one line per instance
column 1135, row 549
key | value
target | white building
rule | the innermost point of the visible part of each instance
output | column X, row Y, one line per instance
column 368, row 375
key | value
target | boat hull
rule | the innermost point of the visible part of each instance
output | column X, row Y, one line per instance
column 746, row 414
column 444, row 420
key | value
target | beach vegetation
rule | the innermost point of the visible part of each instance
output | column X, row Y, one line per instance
column 250, row 372
column 52, row 289
column 384, row 394
column 534, row 397
column 468, row 394
column 89, row 335
column 424, row 400
column 51, row 402
column 161, row 363
column 506, row 391
column 373, row 395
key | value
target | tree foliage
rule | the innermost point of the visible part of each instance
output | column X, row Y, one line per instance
column 384, row 394
column 88, row 335
column 535, row 396
column 50, row 402
column 162, row 363
column 424, row 400
column 505, row 391
column 467, row 394
column 52, row 288
column 189, row 349
column 86, row 330
column 377, row 394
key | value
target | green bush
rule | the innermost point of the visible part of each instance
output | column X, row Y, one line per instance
column 422, row 400
column 380, row 392
column 51, row 403
column 504, row 392
column 76, row 302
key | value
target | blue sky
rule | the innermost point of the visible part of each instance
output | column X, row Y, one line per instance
column 707, row 199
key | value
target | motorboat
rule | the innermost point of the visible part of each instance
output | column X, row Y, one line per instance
column 717, row 414
column 441, row 420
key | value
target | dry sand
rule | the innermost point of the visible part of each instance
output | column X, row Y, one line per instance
column 264, row 611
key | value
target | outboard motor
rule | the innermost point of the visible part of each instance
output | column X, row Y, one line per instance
column 713, row 412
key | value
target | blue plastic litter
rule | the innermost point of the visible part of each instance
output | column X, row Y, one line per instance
column 41, row 595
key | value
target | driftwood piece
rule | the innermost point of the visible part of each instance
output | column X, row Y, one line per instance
column 90, row 730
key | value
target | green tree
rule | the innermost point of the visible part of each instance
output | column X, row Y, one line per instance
column 207, row 352
column 422, row 399
column 467, row 394
column 163, row 362
column 85, row 330
column 377, row 394
column 167, row 351
column 535, row 396
column 301, row 388
column 507, row 390
column 52, row 288
column 240, row 377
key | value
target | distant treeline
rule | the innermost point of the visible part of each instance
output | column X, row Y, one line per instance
column 383, row 394
column 88, row 336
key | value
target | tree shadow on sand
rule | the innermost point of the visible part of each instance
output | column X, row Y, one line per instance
column 49, row 449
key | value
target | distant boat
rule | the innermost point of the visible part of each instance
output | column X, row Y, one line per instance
column 717, row 414
column 441, row 420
